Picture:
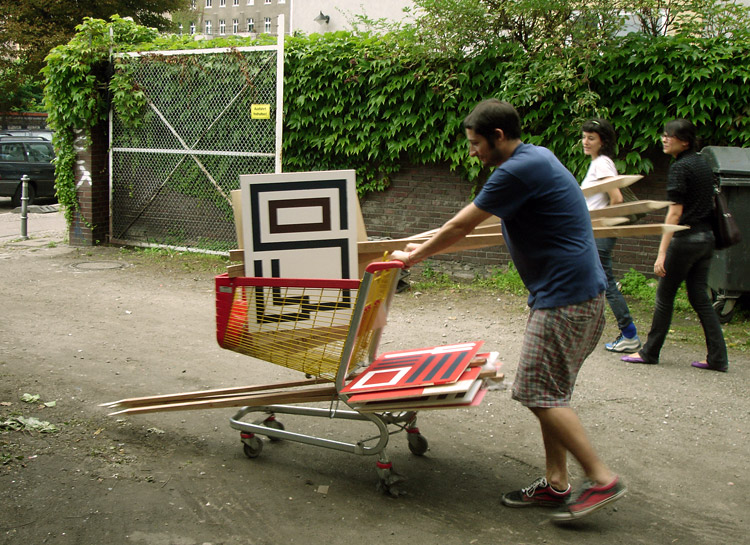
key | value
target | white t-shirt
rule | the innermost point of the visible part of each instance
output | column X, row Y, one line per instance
column 601, row 167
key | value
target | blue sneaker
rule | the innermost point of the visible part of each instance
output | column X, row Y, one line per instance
column 623, row 345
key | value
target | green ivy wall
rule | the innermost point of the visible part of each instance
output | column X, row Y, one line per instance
column 379, row 106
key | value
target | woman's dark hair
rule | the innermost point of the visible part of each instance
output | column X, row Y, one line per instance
column 606, row 133
column 684, row 130
column 493, row 114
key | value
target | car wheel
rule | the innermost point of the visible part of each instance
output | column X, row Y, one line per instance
column 15, row 201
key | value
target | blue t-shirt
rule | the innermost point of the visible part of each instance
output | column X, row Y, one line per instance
column 546, row 227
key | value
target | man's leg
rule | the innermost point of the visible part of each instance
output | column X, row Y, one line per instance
column 562, row 432
column 555, row 344
column 565, row 432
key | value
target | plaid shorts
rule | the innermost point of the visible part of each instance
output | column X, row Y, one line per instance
column 556, row 342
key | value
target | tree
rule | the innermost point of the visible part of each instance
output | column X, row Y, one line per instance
column 473, row 25
column 31, row 28
column 543, row 25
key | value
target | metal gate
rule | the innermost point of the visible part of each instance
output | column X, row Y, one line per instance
column 212, row 115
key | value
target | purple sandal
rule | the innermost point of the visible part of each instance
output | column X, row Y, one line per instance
column 704, row 365
column 635, row 358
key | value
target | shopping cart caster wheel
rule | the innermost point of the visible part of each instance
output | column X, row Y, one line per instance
column 389, row 482
column 391, row 486
column 252, row 447
column 276, row 425
column 417, row 444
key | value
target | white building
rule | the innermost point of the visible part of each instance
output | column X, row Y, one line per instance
column 212, row 18
column 332, row 15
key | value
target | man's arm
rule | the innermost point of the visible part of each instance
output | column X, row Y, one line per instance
column 451, row 232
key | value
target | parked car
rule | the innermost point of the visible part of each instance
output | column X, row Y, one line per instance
column 26, row 155
column 43, row 133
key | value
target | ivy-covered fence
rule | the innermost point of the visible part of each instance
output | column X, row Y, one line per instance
column 374, row 104
column 210, row 117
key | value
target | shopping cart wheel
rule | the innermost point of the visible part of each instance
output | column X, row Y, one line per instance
column 271, row 422
column 417, row 444
column 252, row 446
column 389, row 482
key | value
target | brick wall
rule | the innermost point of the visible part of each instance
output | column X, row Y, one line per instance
column 90, row 226
column 421, row 198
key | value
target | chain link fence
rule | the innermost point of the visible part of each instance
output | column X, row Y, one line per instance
column 211, row 116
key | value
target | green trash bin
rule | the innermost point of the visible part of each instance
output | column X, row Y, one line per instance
column 729, row 277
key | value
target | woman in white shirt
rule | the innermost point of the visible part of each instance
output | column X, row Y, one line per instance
column 598, row 140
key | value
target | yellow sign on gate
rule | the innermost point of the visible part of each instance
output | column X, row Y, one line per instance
column 260, row 111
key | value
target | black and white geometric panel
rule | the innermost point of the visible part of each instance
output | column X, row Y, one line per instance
column 300, row 224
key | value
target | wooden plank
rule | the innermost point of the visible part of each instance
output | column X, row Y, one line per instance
column 237, row 255
column 637, row 230
column 490, row 225
column 301, row 396
column 608, row 222
column 378, row 247
column 614, row 182
column 375, row 249
column 361, row 229
column 237, row 209
column 236, row 271
column 182, row 396
column 628, row 208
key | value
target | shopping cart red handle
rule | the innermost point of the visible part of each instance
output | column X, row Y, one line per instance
column 383, row 265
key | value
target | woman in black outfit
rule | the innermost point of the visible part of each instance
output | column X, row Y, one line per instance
column 685, row 255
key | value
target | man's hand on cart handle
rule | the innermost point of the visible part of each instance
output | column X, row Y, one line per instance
column 406, row 256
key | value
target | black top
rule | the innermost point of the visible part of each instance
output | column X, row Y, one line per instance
column 690, row 182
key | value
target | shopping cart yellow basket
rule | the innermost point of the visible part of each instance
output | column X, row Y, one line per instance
column 327, row 329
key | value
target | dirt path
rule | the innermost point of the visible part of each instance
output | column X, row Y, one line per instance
column 82, row 327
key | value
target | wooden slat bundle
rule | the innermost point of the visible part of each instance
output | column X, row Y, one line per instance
column 228, row 397
column 606, row 223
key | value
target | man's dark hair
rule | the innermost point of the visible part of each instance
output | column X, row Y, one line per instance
column 606, row 133
column 493, row 114
column 682, row 129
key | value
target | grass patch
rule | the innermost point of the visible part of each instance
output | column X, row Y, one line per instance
column 430, row 280
column 187, row 261
column 504, row 280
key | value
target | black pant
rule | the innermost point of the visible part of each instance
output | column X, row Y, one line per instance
column 688, row 259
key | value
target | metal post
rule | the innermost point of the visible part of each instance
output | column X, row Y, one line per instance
column 24, row 206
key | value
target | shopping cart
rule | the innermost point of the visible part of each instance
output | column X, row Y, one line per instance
column 328, row 330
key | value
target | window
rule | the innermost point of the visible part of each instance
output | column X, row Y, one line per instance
column 267, row 25
column 222, row 27
column 40, row 152
column 250, row 25
column 282, row 1
column 12, row 152
column 192, row 4
column 208, row 27
column 235, row 2
column 222, row 3
column 250, row 2
column 209, row 3
column 192, row 28
column 267, row 2
column 235, row 26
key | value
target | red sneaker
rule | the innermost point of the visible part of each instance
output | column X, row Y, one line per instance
column 590, row 498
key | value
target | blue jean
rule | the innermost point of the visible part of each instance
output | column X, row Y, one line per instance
column 688, row 259
column 614, row 297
